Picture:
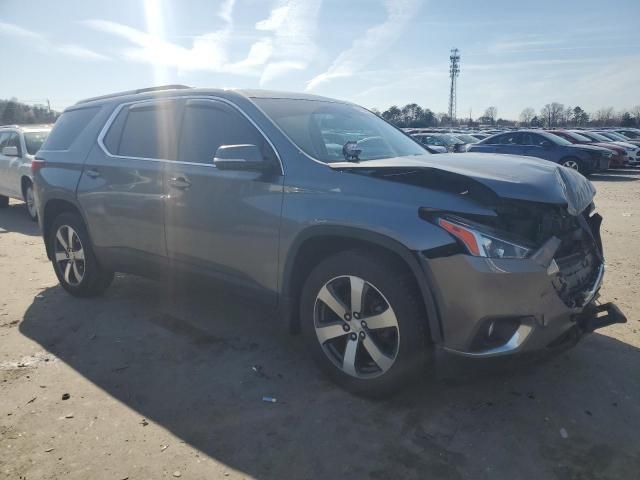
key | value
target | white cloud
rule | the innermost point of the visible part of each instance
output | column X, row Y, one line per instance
column 294, row 25
column 282, row 42
column 43, row 44
column 376, row 39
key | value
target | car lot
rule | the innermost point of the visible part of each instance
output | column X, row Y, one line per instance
column 162, row 383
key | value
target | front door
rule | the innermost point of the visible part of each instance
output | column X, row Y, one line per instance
column 223, row 223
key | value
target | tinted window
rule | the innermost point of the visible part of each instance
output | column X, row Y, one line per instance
column 68, row 127
column 4, row 136
column 207, row 125
column 150, row 130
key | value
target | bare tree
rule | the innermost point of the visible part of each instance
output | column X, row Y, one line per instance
column 552, row 113
column 604, row 116
column 526, row 115
column 635, row 113
column 491, row 113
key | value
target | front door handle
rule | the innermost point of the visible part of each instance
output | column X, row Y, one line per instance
column 179, row 182
column 92, row 173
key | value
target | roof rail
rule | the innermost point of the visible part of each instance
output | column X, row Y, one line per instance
column 133, row 92
column 10, row 126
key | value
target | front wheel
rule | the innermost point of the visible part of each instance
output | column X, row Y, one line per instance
column 364, row 322
column 73, row 260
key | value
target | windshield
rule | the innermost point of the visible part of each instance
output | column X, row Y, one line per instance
column 466, row 138
column 555, row 139
column 596, row 137
column 34, row 140
column 613, row 136
column 577, row 137
column 327, row 131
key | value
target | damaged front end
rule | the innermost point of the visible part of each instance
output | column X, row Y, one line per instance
column 524, row 274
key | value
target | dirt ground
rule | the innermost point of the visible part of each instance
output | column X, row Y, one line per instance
column 161, row 384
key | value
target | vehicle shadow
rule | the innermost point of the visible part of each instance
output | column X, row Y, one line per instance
column 184, row 359
column 617, row 177
column 14, row 218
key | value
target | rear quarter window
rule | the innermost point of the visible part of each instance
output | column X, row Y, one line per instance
column 68, row 128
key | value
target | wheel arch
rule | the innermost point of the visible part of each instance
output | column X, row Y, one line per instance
column 316, row 243
column 24, row 181
column 51, row 210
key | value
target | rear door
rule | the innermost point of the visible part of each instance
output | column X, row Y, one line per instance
column 220, row 222
column 122, row 185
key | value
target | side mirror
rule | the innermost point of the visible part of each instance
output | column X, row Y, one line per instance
column 240, row 157
column 10, row 151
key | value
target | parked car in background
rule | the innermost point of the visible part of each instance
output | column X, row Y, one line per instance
column 18, row 146
column 619, row 154
column 631, row 133
column 586, row 159
column 446, row 140
column 632, row 152
column 378, row 252
column 617, row 137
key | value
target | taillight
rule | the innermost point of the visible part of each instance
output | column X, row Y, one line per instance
column 37, row 164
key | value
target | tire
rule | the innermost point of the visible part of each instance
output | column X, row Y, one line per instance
column 572, row 163
column 29, row 200
column 87, row 278
column 404, row 347
column 4, row 201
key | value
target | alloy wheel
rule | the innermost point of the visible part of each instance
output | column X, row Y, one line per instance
column 356, row 327
column 69, row 255
column 31, row 202
column 571, row 164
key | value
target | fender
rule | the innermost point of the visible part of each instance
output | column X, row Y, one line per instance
column 288, row 302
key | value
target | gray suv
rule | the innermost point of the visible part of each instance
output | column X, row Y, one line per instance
column 320, row 209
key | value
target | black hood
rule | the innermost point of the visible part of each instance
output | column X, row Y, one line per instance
column 508, row 176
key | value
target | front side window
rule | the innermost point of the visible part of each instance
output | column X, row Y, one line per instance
column 208, row 124
column 321, row 129
column 510, row 139
column 14, row 141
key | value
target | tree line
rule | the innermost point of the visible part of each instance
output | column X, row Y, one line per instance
column 14, row 112
column 550, row 115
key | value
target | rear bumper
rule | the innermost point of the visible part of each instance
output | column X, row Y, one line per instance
column 491, row 307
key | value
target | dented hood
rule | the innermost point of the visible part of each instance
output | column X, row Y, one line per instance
column 508, row 176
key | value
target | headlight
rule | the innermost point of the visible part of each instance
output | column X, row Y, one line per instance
column 483, row 244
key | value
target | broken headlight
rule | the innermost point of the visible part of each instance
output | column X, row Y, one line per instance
column 481, row 242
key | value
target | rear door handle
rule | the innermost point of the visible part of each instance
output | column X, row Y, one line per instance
column 179, row 182
column 93, row 173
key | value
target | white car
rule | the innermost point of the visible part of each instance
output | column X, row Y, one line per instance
column 18, row 146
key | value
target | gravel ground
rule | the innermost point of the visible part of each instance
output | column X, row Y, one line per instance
column 161, row 384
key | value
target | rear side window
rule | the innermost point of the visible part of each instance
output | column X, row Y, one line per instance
column 207, row 125
column 145, row 130
column 69, row 127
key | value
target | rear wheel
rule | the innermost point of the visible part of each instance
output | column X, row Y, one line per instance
column 74, row 262
column 572, row 163
column 29, row 199
column 363, row 320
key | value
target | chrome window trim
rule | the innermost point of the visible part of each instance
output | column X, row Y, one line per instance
column 211, row 98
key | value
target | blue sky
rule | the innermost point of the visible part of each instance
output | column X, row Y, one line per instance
column 372, row 52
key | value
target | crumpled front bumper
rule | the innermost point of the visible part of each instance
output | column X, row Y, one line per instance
column 474, row 293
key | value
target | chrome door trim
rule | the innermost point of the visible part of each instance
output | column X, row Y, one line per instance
column 211, row 98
